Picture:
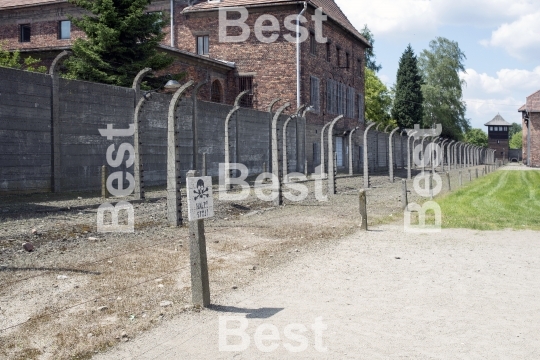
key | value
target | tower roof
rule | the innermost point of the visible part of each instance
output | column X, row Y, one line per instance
column 498, row 121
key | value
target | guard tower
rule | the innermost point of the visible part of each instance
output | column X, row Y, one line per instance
column 498, row 130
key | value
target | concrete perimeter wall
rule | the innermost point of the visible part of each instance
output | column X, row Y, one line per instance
column 25, row 132
column 84, row 109
column 26, row 149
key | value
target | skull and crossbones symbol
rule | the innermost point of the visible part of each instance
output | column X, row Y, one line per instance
column 201, row 191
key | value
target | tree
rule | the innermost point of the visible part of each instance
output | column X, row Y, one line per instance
column 370, row 54
column 378, row 100
column 514, row 129
column 516, row 141
column 15, row 61
column 121, row 40
column 476, row 137
column 442, row 89
column 408, row 96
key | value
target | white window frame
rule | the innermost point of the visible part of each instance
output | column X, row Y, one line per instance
column 203, row 45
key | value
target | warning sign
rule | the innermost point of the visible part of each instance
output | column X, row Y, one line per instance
column 200, row 201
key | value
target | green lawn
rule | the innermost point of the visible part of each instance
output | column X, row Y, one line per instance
column 504, row 199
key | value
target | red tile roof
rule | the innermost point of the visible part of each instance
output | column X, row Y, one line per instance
column 329, row 7
column 7, row 4
column 533, row 103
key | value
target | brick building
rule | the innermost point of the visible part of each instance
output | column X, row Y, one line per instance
column 531, row 130
column 498, row 137
column 331, row 74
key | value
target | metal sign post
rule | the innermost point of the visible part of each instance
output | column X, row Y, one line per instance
column 200, row 206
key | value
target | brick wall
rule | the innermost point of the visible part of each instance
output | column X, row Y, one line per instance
column 501, row 148
column 535, row 139
column 44, row 26
column 273, row 65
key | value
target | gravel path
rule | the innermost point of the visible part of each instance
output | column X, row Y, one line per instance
column 383, row 294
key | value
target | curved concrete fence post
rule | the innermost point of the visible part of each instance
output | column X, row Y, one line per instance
column 136, row 86
column 414, row 147
column 331, row 176
column 174, row 200
column 275, row 154
column 366, row 158
column 300, row 140
column 432, row 154
column 304, row 122
column 451, row 154
column 410, row 134
column 56, row 169
column 377, row 146
column 195, row 124
column 323, row 173
column 138, row 169
column 423, row 154
column 271, row 116
column 391, row 155
column 284, row 155
column 351, row 169
column 441, row 156
column 459, row 146
column 227, row 167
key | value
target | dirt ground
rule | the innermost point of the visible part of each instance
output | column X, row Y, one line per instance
column 460, row 294
column 81, row 292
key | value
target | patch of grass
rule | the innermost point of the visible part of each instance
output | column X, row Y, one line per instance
column 501, row 200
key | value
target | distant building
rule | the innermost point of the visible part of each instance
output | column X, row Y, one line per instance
column 498, row 137
column 530, row 113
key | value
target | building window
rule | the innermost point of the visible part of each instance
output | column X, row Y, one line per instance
column 328, row 52
column 312, row 43
column 351, row 92
column 246, row 83
column 216, row 92
column 338, row 55
column 24, row 33
column 359, row 67
column 347, row 60
column 315, row 94
column 64, row 30
column 331, row 90
column 202, row 45
column 360, row 108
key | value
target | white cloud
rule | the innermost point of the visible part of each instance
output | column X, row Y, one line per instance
column 487, row 96
column 422, row 17
column 520, row 38
column 507, row 82
column 481, row 111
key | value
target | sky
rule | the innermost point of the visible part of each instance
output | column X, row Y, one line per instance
column 501, row 39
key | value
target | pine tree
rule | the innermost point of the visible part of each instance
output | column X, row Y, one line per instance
column 121, row 40
column 408, row 97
